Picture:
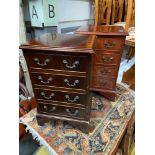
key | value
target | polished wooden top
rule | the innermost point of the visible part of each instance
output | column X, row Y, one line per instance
column 102, row 30
column 61, row 42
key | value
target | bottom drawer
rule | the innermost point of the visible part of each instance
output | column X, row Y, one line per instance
column 60, row 110
column 100, row 70
column 103, row 82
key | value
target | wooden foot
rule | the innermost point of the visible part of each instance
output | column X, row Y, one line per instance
column 42, row 120
column 109, row 95
column 85, row 128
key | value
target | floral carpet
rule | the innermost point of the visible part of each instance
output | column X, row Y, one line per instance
column 109, row 118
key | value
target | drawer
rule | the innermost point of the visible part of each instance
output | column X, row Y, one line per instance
column 47, row 79
column 100, row 70
column 109, row 43
column 60, row 110
column 103, row 82
column 59, row 62
column 101, row 57
column 60, row 96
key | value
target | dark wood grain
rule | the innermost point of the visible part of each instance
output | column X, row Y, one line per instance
column 108, row 47
column 105, row 30
column 105, row 58
column 57, row 61
column 103, row 82
column 60, row 71
column 100, row 70
column 109, row 43
column 59, row 80
column 62, row 111
column 52, row 95
column 60, row 42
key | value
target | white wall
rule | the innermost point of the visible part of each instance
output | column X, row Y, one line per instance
column 26, row 10
column 73, row 10
column 74, row 13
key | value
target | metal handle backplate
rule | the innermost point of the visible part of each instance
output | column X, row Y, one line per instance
column 45, row 82
column 75, row 64
column 72, row 113
column 49, row 97
column 71, row 85
column 43, row 64
column 49, row 109
column 76, row 98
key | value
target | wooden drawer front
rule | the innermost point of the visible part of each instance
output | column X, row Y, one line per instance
column 60, row 110
column 100, row 70
column 109, row 43
column 101, row 57
column 103, row 82
column 59, row 62
column 59, row 80
column 57, row 96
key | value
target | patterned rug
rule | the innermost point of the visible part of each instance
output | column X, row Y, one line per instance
column 109, row 118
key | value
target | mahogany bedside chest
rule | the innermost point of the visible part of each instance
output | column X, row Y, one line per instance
column 64, row 68
column 60, row 71
column 108, row 47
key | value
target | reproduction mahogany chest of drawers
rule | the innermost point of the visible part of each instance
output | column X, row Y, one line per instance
column 108, row 47
column 60, row 68
column 64, row 68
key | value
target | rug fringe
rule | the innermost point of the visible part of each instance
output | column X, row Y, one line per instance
column 126, row 86
column 37, row 137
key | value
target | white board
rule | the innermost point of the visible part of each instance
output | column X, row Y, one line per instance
column 43, row 12
column 36, row 13
column 50, row 12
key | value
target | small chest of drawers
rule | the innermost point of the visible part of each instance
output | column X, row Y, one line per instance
column 108, row 48
column 65, row 68
column 60, row 76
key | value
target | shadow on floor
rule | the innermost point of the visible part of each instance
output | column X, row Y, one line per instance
column 27, row 145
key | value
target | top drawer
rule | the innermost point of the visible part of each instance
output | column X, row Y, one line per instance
column 109, row 43
column 59, row 62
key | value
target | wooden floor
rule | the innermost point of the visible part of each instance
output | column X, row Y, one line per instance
column 129, row 77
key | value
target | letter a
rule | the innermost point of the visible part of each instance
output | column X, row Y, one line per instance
column 34, row 12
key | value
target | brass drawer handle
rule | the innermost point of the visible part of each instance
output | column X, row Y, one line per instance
column 49, row 110
column 108, row 45
column 107, row 59
column 45, row 82
column 72, row 113
column 38, row 62
column 44, row 96
column 76, row 98
column 71, row 85
column 73, row 66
